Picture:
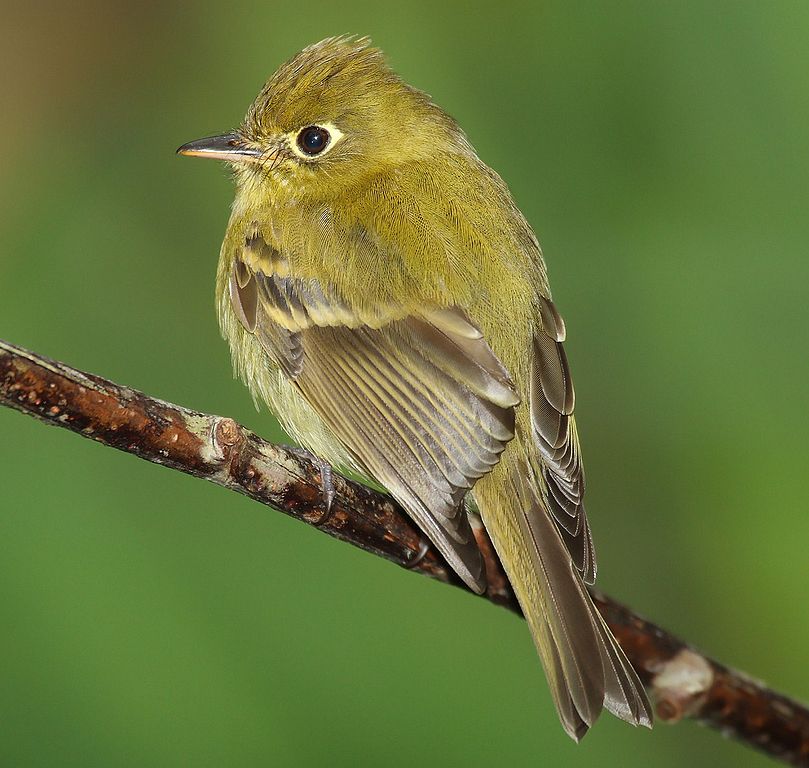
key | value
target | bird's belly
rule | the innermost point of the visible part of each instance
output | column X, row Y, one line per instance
column 268, row 383
column 304, row 426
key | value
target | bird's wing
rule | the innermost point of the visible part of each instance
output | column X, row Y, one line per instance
column 552, row 400
column 419, row 399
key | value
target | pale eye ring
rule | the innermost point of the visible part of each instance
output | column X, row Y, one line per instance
column 312, row 140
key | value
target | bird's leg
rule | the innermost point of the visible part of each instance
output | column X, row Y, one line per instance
column 326, row 482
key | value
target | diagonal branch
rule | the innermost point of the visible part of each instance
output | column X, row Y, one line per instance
column 683, row 681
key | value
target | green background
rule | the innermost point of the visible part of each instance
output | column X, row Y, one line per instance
column 150, row 619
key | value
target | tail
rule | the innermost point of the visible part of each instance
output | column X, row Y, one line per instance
column 586, row 668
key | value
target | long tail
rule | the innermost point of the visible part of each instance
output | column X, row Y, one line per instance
column 586, row 669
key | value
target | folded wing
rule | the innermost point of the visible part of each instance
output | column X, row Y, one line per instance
column 418, row 399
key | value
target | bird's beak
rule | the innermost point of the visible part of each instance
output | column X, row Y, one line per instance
column 230, row 147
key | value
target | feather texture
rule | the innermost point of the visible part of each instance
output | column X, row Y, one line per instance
column 552, row 401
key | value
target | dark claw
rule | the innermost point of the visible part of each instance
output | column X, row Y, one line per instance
column 424, row 548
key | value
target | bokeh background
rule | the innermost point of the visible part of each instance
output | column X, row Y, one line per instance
column 660, row 151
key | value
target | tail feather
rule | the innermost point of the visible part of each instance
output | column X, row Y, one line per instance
column 586, row 668
column 572, row 721
column 624, row 695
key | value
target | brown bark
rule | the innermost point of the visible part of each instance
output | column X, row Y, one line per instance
column 683, row 681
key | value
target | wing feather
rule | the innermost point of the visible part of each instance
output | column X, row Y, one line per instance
column 419, row 400
column 552, row 401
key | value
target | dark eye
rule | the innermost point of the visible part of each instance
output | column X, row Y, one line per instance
column 313, row 140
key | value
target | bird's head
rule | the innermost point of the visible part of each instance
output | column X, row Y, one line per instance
column 331, row 117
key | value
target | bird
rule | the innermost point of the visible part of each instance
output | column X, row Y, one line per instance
column 381, row 291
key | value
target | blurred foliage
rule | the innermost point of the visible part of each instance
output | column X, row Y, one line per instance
column 660, row 151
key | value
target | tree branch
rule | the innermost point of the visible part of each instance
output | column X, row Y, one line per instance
column 683, row 681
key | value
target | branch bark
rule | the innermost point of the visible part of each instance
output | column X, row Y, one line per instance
column 684, row 682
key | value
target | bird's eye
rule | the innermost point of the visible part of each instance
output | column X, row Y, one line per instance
column 312, row 140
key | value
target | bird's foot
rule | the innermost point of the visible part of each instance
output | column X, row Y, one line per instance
column 424, row 548
column 327, row 490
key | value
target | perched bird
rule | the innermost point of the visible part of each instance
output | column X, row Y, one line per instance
column 381, row 291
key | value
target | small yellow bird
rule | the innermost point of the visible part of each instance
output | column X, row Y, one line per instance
column 381, row 291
